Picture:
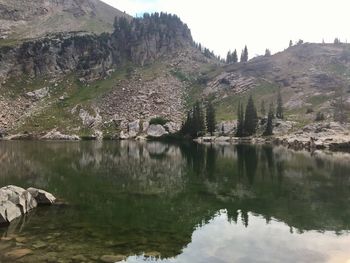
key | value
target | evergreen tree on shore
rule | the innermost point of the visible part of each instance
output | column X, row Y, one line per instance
column 240, row 121
column 251, row 118
column 269, row 125
column 279, row 109
column 244, row 54
column 210, row 118
column 194, row 124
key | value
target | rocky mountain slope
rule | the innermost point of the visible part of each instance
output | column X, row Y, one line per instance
column 32, row 19
column 89, row 84
column 101, row 85
column 310, row 77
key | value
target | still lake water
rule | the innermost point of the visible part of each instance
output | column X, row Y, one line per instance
column 159, row 202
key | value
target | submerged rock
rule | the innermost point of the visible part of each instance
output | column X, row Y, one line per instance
column 112, row 258
column 18, row 253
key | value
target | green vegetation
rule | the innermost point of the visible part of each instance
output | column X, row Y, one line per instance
column 194, row 124
column 158, row 120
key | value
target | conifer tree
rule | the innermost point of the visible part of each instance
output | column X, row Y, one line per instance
column 290, row 43
column 269, row 125
column 279, row 109
column 240, row 121
column 234, row 56
column 267, row 52
column 228, row 57
column 251, row 117
column 210, row 118
column 244, row 54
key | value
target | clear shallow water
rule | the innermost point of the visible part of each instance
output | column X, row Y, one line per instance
column 159, row 202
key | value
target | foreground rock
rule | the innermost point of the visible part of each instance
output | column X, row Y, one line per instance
column 16, row 201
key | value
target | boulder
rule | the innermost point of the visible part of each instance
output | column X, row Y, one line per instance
column 123, row 135
column 42, row 197
column 134, row 128
column 172, row 127
column 226, row 127
column 156, row 130
column 8, row 212
column 19, row 197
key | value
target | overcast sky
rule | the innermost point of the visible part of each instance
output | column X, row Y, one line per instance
column 222, row 25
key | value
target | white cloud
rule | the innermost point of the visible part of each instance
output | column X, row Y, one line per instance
column 227, row 24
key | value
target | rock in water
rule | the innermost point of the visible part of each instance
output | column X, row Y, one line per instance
column 8, row 212
column 156, row 131
column 42, row 197
column 19, row 197
column 16, row 201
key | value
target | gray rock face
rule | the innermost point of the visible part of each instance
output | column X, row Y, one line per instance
column 156, row 131
column 42, row 197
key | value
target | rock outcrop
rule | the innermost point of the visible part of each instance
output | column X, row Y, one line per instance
column 16, row 201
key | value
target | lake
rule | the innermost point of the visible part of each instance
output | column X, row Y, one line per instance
column 164, row 202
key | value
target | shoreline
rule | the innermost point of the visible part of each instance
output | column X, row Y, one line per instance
column 289, row 141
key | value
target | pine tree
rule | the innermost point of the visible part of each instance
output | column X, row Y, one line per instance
column 240, row 121
column 210, row 118
column 279, row 109
column 244, row 54
column 269, row 125
column 234, row 56
column 229, row 58
column 262, row 108
column 290, row 43
column 194, row 124
column 267, row 52
column 251, row 117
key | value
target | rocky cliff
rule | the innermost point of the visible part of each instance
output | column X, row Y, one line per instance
column 139, row 41
column 32, row 19
column 142, row 70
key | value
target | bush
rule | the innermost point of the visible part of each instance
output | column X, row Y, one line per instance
column 309, row 110
column 158, row 120
column 320, row 116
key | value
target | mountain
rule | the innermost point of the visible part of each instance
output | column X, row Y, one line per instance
column 35, row 18
column 309, row 76
column 145, row 70
column 92, row 84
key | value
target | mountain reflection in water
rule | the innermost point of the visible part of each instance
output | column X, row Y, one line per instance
column 180, row 202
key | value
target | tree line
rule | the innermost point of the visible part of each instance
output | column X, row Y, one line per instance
column 201, row 118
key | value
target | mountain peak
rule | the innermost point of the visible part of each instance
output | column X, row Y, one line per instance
column 36, row 18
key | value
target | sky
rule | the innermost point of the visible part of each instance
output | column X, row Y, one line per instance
column 224, row 25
